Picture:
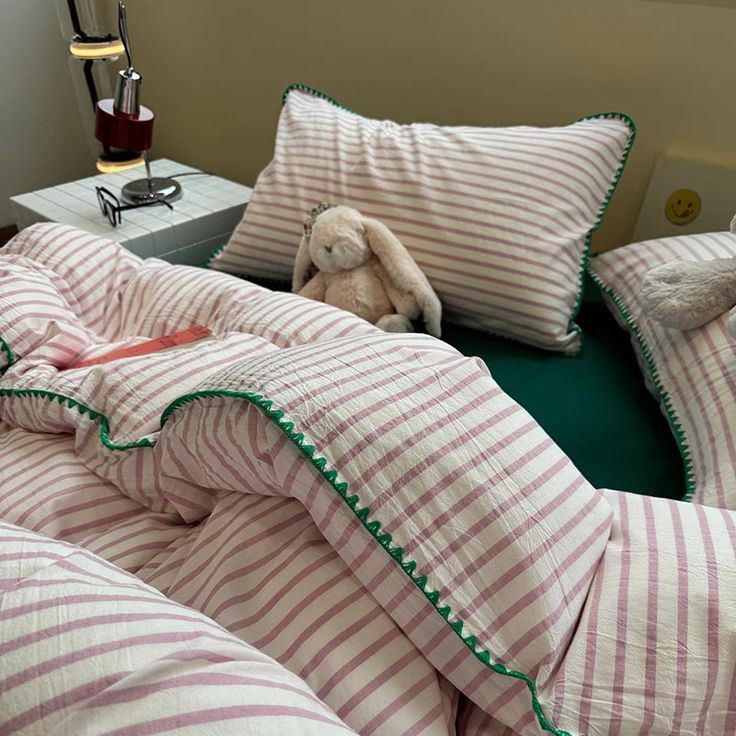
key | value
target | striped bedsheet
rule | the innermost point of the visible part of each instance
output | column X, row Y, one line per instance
column 369, row 510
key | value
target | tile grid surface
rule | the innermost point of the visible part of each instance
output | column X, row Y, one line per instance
column 201, row 221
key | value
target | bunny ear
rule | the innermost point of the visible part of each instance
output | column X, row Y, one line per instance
column 302, row 266
column 404, row 272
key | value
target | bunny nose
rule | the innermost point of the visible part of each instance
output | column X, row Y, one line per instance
column 328, row 248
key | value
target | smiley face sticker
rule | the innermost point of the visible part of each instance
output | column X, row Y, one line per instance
column 682, row 207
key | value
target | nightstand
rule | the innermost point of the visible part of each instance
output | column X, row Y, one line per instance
column 201, row 221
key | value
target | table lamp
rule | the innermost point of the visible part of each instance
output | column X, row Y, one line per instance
column 93, row 54
column 123, row 123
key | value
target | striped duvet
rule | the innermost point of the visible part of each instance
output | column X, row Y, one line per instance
column 368, row 510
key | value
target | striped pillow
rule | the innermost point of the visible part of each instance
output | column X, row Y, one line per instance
column 691, row 372
column 499, row 219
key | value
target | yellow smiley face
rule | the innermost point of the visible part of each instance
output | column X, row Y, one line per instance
column 682, row 207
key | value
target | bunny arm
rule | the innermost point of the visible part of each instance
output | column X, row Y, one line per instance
column 315, row 288
column 403, row 302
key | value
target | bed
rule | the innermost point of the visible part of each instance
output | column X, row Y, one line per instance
column 293, row 522
column 400, row 544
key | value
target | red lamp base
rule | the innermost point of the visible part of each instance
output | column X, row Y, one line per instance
column 130, row 133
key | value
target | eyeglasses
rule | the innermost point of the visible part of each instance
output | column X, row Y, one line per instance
column 112, row 209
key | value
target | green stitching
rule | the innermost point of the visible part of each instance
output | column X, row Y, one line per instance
column 585, row 255
column 10, row 357
column 211, row 259
column 373, row 527
column 82, row 409
column 601, row 214
column 312, row 91
column 662, row 395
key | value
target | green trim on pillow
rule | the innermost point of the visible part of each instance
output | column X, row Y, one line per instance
column 374, row 527
column 10, row 357
column 572, row 326
column 317, row 93
column 680, row 437
column 211, row 259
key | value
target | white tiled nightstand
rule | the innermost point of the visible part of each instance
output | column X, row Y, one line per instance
column 202, row 220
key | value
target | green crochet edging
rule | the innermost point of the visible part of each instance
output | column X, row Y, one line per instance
column 317, row 93
column 374, row 528
column 572, row 326
column 5, row 348
column 82, row 409
column 341, row 487
column 211, row 259
column 662, row 395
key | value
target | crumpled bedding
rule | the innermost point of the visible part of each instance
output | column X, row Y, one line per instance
column 89, row 649
column 370, row 510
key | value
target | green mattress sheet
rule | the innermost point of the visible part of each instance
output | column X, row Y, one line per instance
column 595, row 406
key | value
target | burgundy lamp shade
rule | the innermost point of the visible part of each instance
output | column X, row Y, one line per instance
column 116, row 129
column 124, row 124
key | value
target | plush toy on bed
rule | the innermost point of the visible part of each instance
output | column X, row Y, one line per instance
column 687, row 294
column 356, row 263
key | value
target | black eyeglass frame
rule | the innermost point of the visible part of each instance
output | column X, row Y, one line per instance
column 112, row 209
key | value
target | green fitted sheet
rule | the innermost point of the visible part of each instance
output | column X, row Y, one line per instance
column 596, row 406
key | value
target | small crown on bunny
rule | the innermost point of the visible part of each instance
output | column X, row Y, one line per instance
column 314, row 213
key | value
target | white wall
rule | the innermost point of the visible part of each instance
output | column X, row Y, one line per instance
column 41, row 138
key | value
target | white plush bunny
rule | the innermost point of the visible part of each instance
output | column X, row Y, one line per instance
column 687, row 294
column 362, row 267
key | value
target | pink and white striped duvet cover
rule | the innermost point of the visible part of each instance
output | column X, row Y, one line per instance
column 89, row 649
column 369, row 510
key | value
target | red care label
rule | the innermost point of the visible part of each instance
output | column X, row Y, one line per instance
column 193, row 334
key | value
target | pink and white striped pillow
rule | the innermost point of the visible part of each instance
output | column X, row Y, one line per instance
column 499, row 219
column 691, row 372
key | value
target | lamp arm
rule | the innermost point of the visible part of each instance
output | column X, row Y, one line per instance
column 123, row 30
column 74, row 14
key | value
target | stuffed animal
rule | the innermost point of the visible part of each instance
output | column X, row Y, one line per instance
column 687, row 294
column 356, row 263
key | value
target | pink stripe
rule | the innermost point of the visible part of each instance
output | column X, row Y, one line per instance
column 206, row 716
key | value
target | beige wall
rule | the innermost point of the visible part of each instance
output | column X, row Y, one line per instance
column 214, row 71
column 41, row 138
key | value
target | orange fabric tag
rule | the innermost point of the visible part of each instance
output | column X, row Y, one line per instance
column 193, row 334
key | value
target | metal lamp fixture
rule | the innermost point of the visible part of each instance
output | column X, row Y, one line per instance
column 94, row 54
column 124, row 124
